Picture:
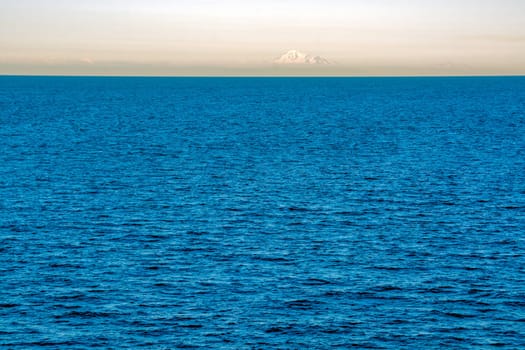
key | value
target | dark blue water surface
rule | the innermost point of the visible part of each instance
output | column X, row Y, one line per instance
column 262, row 213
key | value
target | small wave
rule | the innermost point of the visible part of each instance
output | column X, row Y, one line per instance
column 301, row 304
column 191, row 326
column 279, row 329
column 299, row 209
column 270, row 258
column 8, row 305
column 85, row 314
column 316, row 282
column 386, row 288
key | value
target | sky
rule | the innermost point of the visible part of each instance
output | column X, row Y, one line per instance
column 234, row 37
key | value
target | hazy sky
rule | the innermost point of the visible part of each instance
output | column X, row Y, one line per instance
column 231, row 37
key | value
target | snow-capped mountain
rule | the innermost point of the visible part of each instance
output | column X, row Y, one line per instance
column 297, row 57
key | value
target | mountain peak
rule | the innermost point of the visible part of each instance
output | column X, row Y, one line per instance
column 298, row 57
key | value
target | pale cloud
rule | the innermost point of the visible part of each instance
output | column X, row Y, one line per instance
column 88, row 60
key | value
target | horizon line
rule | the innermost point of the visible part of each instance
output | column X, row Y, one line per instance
column 267, row 76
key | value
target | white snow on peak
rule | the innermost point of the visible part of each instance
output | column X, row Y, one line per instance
column 298, row 57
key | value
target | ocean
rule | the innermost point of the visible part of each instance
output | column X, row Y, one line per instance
column 262, row 213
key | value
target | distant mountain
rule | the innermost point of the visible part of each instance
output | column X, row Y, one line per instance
column 297, row 57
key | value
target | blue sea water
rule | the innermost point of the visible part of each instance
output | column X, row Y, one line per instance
column 262, row 213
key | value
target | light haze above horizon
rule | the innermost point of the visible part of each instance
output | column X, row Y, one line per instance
column 234, row 37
